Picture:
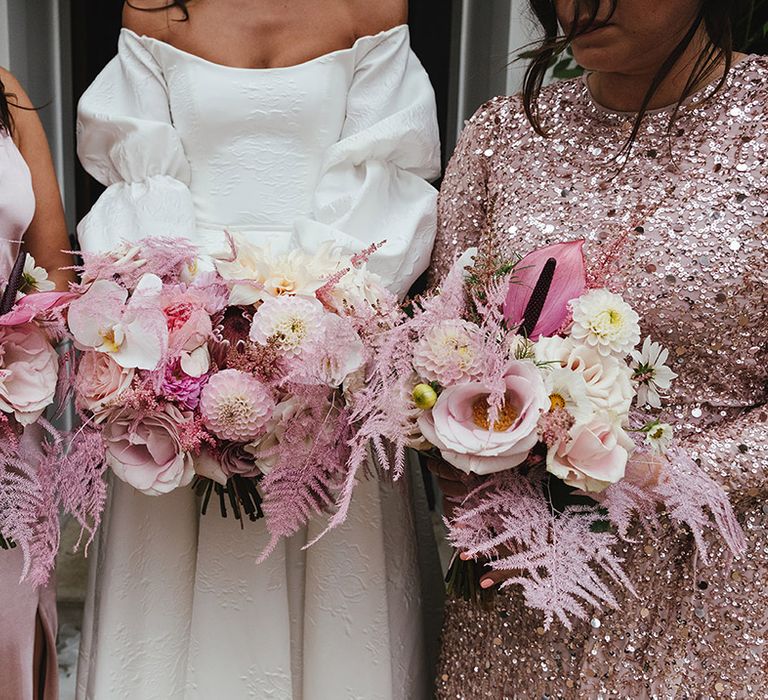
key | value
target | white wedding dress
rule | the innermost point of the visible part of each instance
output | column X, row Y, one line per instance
column 337, row 148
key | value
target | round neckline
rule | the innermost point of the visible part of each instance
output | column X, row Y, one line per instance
column 700, row 95
column 369, row 37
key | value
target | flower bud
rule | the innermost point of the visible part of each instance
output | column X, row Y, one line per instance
column 424, row 396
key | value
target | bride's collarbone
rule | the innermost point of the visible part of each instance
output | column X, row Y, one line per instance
column 261, row 33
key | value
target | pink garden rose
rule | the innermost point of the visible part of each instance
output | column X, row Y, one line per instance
column 100, row 381
column 146, row 452
column 29, row 370
column 594, row 457
column 458, row 425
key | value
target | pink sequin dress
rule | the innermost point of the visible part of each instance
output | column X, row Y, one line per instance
column 683, row 229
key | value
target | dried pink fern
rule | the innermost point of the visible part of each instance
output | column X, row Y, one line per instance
column 563, row 562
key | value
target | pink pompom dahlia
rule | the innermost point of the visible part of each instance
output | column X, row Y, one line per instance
column 449, row 353
column 236, row 406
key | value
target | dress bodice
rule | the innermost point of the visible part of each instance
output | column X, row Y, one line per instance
column 680, row 227
column 17, row 201
column 255, row 138
column 338, row 148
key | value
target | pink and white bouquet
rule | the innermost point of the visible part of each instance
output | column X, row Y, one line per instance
column 31, row 494
column 235, row 377
column 535, row 385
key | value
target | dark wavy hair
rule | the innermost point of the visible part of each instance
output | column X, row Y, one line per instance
column 181, row 4
column 717, row 17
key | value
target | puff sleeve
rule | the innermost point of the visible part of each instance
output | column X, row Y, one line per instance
column 127, row 141
column 374, row 179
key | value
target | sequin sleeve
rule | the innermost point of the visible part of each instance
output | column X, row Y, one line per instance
column 462, row 205
column 735, row 453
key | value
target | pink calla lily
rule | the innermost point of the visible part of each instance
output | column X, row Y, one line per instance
column 31, row 306
column 569, row 282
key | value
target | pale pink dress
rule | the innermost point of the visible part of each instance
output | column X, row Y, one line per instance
column 20, row 603
column 686, row 223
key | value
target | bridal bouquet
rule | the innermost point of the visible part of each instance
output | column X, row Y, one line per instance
column 235, row 378
column 30, row 328
column 519, row 375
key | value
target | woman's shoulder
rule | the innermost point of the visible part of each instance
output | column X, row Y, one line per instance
column 150, row 18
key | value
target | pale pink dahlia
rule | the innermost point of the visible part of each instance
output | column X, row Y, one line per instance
column 236, row 406
column 449, row 353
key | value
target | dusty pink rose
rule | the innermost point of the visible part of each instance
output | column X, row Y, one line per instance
column 231, row 460
column 146, row 452
column 100, row 381
column 459, row 426
column 594, row 457
column 29, row 370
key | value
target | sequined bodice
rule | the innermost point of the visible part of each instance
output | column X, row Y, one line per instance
column 680, row 227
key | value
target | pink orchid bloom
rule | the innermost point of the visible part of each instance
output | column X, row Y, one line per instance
column 31, row 306
column 569, row 282
column 133, row 331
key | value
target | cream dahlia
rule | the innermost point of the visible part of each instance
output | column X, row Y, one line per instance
column 449, row 353
column 606, row 322
column 293, row 321
column 236, row 406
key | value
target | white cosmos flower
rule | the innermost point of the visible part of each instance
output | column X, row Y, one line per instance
column 295, row 322
column 568, row 389
column 659, row 436
column 651, row 373
column 34, row 278
column 606, row 322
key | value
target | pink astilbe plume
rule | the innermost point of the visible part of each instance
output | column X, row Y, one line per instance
column 29, row 498
column 564, row 564
column 681, row 492
column 306, row 478
column 82, row 487
column 164, row 257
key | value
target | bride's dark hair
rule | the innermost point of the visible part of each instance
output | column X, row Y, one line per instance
column 181, row 4
column 717, row 17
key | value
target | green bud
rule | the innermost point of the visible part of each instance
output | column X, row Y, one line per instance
column 424, row 396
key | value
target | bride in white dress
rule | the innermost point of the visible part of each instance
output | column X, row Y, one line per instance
column 287, row 146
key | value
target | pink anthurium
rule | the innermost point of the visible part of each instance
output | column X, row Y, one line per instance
column 31, row 306
column 569, row 282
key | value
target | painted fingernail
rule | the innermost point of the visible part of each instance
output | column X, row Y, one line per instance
column 464, row 556
column 486, row 583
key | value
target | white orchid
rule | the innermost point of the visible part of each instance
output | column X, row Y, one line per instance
column 133, row 332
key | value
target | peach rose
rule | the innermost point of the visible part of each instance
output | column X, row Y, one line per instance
column 594, row 456
column 100, row 381
column 458, row 425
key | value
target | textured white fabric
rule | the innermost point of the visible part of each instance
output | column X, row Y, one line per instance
column 337, row 148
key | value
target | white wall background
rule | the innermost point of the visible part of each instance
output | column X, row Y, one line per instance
column 488, row 36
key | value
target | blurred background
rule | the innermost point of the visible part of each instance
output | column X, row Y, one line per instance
column 57, row 47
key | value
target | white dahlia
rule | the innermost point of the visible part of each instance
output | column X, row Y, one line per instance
column 236, row 406
column 606, row 322
column 449, row 353
column 295, row 322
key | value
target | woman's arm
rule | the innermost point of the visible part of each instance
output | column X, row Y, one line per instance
column 47, row 237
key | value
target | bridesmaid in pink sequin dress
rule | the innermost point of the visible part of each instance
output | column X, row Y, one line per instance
column 688, row 216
